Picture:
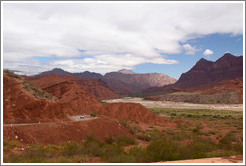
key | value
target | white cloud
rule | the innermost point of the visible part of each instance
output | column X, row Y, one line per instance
column 138, row 33
column 190, row 50
column 208, row 52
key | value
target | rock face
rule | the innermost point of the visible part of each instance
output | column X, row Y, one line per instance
column 20, row 99
column 133, row 83
column 204, row 72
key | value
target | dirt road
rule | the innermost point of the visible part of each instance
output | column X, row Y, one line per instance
column 170, row 104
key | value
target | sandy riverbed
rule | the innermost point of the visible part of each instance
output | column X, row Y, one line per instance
column 170, row 104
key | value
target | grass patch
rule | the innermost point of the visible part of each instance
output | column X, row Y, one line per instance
column 199, row 113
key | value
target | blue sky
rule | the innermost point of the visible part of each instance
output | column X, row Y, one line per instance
column 103, row 37
column 218, row 43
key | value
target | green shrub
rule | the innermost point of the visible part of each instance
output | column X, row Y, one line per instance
column 199, row 148
column 14, row 143
column 109, row 140
column 164, row 150
column 228, row 138
column 125, row 140
column 72, row 148
column 109, row 152
column 144, row 137
column 155, row 134
column 134, row 129
column 139, row 154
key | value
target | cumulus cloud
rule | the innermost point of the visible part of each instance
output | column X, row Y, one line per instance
column 190, row 50
column 114, row 35
column 208, row 52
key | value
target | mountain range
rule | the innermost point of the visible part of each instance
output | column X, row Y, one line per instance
column 205, row 72
column 123, row 81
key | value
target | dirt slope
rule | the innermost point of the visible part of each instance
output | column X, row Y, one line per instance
column 62, row 132
column 96, row 87
column 75, row 100
column 22, row 104
column 129, row 111
column 226, row 91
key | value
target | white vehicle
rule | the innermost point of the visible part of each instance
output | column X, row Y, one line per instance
column 82, row 117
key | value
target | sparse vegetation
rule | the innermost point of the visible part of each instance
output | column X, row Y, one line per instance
column 37, row 92
column 199, row 113
column 11, row 74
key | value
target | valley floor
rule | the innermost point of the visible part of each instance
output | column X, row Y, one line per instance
column 179, row 105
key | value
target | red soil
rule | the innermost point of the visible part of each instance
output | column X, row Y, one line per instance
column 129, row 111
column 55, row 133
column 74, row 99
column 224, row 86
column 96, row 87
column 20, row 106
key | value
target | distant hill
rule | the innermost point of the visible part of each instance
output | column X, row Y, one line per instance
column 204, row 72
column 225, row 68
column 135, row 82
column 123, row 81
column 59, row 71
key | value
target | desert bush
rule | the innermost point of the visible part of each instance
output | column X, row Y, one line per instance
column 125, row 140
column 134, row 129
column 228, row 138
column 13, row 143
column 139, row 154
column 155, row 134
column 72, row 148
column 109, row 140
column 180, row 136
column 124, row 123
column 199, row 148
column 143, row 137
column 164, row 150
column 110, row 152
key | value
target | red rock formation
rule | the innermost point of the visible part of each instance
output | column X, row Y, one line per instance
column 27, row 106
column 129, row 111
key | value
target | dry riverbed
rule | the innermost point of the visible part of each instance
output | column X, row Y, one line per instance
column 180, row 105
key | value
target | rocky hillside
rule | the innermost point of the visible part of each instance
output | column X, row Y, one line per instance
column 135, row 82
column 96, row 87
column 21, row 98
column 204, row 72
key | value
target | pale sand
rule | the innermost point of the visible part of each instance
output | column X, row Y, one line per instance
column 170, row 104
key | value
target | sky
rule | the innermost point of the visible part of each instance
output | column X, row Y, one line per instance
column 166, row 38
